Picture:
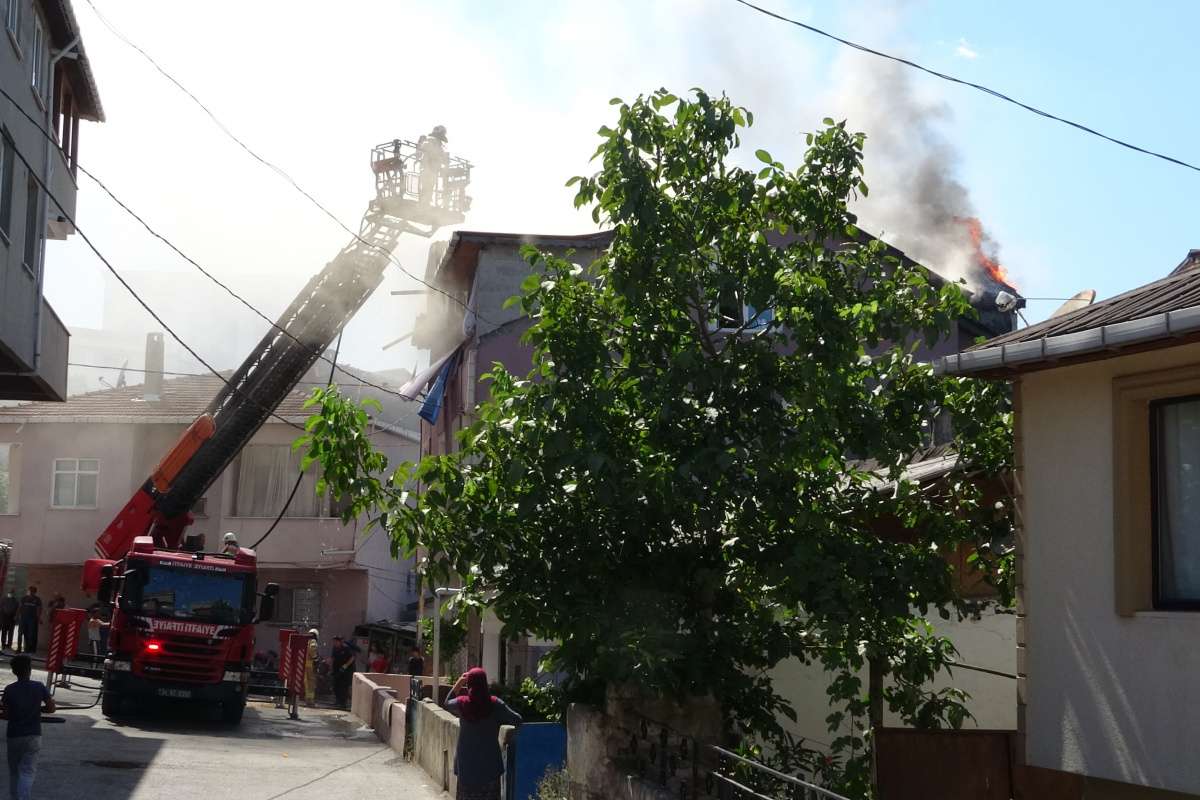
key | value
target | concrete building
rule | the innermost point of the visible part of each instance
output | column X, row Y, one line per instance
column 466, row 330
column 66, row 469
column 1108, row 452
column 48, row 85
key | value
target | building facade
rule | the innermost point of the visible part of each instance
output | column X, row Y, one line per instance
column 1107, row 429
column 66, row 469
column 47, row 79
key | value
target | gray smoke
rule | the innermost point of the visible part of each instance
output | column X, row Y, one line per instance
column 916, row 200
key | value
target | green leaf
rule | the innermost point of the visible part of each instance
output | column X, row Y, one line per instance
column 764, row 156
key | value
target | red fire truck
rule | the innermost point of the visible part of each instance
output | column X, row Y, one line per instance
column 183, row 620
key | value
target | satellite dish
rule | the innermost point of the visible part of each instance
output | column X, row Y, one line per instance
column 1077, row 301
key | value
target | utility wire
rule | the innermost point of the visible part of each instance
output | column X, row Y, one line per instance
column 224, row 286
column 52, row 141
column 300, row 476
column 207, row 375
column 378, row 424
column 260, row 159
column 976, row 86
column 42, row 185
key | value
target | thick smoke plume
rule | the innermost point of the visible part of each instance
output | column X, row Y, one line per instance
column 916, row 200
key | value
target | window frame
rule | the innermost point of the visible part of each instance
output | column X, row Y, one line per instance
column 39, row 57
column 14, row 479
column 55, row 472
column 33, row 230
column 1159, row 603
column 1134, row 544
column 289, row 591
column 7, row 182
column 325, row 505
column 12, row 25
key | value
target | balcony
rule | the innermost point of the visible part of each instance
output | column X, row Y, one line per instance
column 17, row 380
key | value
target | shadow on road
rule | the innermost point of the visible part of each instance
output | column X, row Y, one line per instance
column 83, row 759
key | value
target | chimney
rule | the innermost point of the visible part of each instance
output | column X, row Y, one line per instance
column 1191, row 262
column 152, row 387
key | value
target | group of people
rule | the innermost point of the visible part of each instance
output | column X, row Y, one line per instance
column 23, row 616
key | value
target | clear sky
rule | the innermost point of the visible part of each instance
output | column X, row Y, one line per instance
column 522, row 86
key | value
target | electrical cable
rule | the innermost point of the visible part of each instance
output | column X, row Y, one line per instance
column 962, row 82
column 300, row 477
column 124, row 207
column 273, row 167
column 207, row 375
column 91, row 245
column 224, row 286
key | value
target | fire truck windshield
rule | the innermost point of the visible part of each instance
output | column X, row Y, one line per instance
column 186, row 593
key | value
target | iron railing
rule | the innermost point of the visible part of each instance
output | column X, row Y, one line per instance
column 693, row 770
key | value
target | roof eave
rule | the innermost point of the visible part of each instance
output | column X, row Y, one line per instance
column 1154, row 332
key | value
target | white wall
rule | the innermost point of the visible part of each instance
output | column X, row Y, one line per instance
column 1108, row 696
column 988, row 642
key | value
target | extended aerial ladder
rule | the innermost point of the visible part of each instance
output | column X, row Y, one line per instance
column 419, row 188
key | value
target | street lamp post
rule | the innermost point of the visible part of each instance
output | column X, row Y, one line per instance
column 437, row 636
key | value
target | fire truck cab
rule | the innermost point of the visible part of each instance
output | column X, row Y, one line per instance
column 182, row 625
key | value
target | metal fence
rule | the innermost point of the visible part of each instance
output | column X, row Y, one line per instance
column 692, row 770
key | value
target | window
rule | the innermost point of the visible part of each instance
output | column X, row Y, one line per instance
column 9, row 478
column 200, row 508
column 266, row 475
column 299, row 605
column 76, row 483
column 12, row 19
column 33, row 230
column 1175, row 501
column 38, row 56
column 6, row 184
column 1156, row 491
column 734, row 313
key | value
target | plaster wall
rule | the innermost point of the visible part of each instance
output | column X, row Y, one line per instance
column 1107, row 696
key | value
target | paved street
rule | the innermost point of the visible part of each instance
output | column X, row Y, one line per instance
column 186, row 755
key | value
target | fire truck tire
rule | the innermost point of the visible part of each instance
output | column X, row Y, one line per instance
column 110, row 704
column 232, row 711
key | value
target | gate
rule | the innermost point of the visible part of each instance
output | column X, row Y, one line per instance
column 969, row 763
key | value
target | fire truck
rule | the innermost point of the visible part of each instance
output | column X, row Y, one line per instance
column 182, row 620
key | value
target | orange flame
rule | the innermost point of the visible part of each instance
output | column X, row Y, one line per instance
column 985, row 262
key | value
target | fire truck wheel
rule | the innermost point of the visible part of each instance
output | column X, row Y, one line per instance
column 110, row 704
column 232, row 711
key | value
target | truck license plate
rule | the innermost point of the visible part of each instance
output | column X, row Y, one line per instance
column 183, row 693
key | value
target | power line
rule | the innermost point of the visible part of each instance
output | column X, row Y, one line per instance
column 300, row 475
column 976, row 86
column 42, row 185
column 50, row 139
column 378, row 424
column 260, row 159
column 224, row 286
column 207, row 375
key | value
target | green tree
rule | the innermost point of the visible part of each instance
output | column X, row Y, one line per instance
column 682, row 506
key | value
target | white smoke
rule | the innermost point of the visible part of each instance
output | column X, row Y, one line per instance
column 916, row 200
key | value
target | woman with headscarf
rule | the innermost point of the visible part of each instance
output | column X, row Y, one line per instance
column 477, row 761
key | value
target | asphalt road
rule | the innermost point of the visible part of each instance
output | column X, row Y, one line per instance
column 185, row 753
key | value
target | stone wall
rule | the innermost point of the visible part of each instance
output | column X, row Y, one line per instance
column 381, row 702
column 598, row 761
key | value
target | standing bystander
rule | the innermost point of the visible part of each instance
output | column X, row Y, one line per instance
column 23, row 703
column 95, row 630
column 477, row 759
column 30, row 617
column 8, row 619
column 416, row 662
column 342, row 664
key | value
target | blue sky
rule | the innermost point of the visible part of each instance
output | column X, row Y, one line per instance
column 522, row 87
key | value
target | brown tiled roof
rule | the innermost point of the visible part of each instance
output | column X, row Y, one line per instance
column 1159, row 314
column 185, row 397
